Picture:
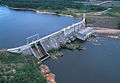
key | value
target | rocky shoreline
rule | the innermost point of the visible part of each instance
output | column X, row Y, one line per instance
column 45, row 72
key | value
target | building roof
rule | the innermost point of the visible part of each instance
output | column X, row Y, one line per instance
column 85, row 31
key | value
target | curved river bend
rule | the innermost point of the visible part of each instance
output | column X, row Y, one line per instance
column 99, row 63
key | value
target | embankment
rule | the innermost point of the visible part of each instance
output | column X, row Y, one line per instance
column 41, row 12
column 111, row 33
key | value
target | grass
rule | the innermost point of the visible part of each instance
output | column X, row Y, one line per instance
column 88, row 2
column 17, row 70
column 8, row 57
column 27, row 74
column 69, row 11
column 119, row 25
column 53, row 51
column 72, row 46
column 112, row 4
column 90, row 21
column 114, row 12
column 115, row 9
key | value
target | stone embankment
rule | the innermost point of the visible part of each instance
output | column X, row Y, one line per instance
column 111, row 33
column 45, row 72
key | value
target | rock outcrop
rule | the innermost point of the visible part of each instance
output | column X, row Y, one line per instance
column 45, row 71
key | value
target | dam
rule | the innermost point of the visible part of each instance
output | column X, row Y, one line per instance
column 40, row 47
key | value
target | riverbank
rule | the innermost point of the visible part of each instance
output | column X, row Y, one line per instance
column 58, row 7
column 91, row 17
column 14, row 67
column 103, row 21
column 42, row 12
column 46, row 73
column 110, row 33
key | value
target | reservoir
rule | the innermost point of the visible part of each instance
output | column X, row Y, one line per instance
column 16, row 26
column 99, row 63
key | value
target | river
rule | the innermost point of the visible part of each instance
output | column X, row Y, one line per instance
column 99, row 63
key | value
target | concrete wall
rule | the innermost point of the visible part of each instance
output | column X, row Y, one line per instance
column 53, row 40
column 65, row 35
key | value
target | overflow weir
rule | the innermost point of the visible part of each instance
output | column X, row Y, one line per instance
column 40, row 47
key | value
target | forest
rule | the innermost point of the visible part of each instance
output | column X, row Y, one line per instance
column 17, row 68
column 60, row 5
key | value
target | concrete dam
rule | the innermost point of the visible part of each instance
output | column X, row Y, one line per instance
column 40, row 47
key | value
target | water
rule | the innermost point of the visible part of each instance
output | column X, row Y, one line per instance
column 99, row 63
column 16, row 26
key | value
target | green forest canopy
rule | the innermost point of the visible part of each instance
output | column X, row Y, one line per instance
column 50, row 4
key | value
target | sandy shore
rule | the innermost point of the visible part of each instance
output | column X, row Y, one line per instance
column 107, row 30
column 110, row 33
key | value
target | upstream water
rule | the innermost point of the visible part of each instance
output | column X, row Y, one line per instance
column 16, row 26
column 99, row 63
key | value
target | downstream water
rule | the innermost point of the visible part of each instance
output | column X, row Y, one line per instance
column 99, row 63
column 16, row 26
